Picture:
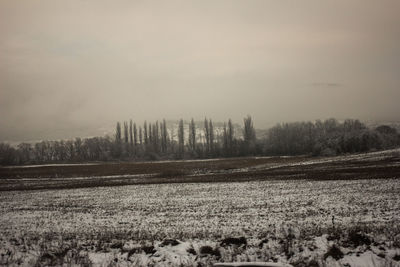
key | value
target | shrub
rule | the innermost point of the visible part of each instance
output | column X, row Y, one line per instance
column 241, row 241
column 334, row 252
column 207, row 250
column 356, row 238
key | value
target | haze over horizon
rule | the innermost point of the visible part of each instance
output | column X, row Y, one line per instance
column 71, row 66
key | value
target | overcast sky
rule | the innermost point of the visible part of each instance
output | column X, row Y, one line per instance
column 67, row 66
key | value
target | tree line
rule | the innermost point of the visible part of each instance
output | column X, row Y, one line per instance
column 199, row 140
column 329, row 138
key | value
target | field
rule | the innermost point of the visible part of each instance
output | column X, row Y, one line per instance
column 339, row 211
column 376, row 165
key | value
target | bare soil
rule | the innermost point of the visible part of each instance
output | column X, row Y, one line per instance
column 364, row 166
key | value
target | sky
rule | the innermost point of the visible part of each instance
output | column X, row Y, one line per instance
column 73, row 68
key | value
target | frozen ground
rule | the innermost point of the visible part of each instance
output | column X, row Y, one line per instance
column 190, row 224
column 376, row 165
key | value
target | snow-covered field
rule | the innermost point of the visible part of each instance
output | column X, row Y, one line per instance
column 299, row 222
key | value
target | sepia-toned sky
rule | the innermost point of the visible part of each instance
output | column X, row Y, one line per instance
column 69, row 67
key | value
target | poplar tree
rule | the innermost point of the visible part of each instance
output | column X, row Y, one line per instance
column 156, row 138
column 126, row 139
column 181, row 139
column 130, row 138
column 146, row 140
column 211, row 138
column 249, row 135
column 118, row 140
column 135, row 138
column 131, row 132
column 140, row 136
column 150, row 134
column 192, row 136
column 126, row 136
column 164, row 135
column 207, row 135
column 230, row 133
column 225, row 141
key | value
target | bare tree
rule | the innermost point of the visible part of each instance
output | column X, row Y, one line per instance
column 126, row 135
column 164, row 136
column 225, row 141
column 118, row 142
column 192, row 136
column 181, row 139
column 146, row 139
column 131, row 132
column 207, row 135
column 150, row 137
column 249, row 135
column 131, row 137
column 211, row 138
column 135, row 139
column 230, row 136
column 141, row 138
column 156, row 137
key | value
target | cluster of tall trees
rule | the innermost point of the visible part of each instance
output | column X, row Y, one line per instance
column 328, row 137
column 77, row 150
column 188, row 140
column 135, row 141
column 150, row 141
column 195, row 140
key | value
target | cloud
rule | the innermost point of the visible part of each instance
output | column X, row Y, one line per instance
column 80, row 64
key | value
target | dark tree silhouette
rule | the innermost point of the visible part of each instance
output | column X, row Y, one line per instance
column 211, row 138
column 325, row 138
column 118, row 143
column 249, row 136
column 131, row 133
column 181, row 140
column 230, row 138
column 192, row 137
column 207, row 136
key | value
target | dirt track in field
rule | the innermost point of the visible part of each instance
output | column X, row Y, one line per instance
column 364, row 166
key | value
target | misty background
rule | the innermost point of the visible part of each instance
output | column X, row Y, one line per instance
column 74, row 68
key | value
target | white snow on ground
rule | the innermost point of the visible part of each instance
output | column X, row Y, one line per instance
column 91, row 177
column 88, row 221
column 371, row 156
column 101, row 163
column 254, row 264
column 51, row 165
column 366, row 259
